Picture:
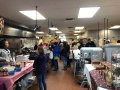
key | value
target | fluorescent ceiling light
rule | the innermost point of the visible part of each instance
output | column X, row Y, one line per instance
column 77, row 31
column 10, row 28
column 115, row 27
column 75, row 34
column 88, row 12
column 58, row 32
column 78, row 28
column 32, row 14
column 62, row 34
column 40, row 32
column 53, row 28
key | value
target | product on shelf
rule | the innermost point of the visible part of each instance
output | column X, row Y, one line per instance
column 3, row 71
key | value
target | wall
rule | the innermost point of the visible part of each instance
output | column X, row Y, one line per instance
column 29, row 42
column 112, row 34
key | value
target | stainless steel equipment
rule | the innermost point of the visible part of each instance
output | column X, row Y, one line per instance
column 92, row 53
column 108, row 49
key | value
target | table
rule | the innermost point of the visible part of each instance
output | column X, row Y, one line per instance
column 8, row 81
column 98, row 81
column 87, row 69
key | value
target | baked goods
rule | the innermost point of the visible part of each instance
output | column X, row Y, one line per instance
column 108, row 77
column 18, row 64
column 3, row 71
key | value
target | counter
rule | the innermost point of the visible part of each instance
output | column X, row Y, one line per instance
column 87, row 69
column 7, row 82
column 95, row 79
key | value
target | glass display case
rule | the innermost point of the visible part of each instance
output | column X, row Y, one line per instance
column 115, row 62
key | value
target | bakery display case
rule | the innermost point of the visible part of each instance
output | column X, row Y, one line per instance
column 115, row 58
column 92, row 53
column 108, row 49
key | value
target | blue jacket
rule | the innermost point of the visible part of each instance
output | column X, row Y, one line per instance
column 56, row 50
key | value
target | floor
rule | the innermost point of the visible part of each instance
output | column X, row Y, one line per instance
column 60, row 80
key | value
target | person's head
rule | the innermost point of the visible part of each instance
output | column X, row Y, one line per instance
column 5, row 44
column 118, row 41
column 64, row 43
column 89, row 40
column 55, row 43
column 40, row 50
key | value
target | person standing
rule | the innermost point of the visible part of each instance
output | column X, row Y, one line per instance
column 64, row 55
column 90, row 43
column 5, row 52
column 40, row 68
column 56, row 53
column 68, row 54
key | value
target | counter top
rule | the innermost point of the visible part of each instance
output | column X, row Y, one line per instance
column 8, row 81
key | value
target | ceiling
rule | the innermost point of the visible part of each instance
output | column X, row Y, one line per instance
column 58, row 10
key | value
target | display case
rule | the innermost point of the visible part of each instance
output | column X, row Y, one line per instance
column 92, row 53
column 115, row 61
column 108, row 49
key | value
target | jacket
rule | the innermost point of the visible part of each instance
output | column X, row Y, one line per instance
column 40, row 64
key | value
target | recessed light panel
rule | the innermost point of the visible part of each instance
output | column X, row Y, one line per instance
column 115, row 27
column 32, row 14
column 39, row 32
column 88, row 12
column 53, row 28
column 58, row 32
column 79, row 28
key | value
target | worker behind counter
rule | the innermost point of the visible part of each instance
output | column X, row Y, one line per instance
column 90, row 43
column 5, row 52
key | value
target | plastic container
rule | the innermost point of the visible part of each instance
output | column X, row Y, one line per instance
column 18, row 69
column 11, row 73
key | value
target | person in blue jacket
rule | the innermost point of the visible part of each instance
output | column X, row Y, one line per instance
column 40, row 68
column 56, row 53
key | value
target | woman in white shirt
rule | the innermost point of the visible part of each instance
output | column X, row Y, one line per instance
column 5, row 52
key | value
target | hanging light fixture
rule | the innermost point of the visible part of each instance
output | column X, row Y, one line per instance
column 53, row 27
column 36, row 24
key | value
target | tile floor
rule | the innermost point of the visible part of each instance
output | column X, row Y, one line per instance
column 60, row 80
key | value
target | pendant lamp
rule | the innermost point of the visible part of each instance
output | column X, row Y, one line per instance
column 36, row 24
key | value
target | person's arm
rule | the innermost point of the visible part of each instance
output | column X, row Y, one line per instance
column 35, row 62
column 4, row 55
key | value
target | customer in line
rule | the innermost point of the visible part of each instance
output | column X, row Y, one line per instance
column 90, row 43
column 56, row 53
column 64, row 53
column 68, row 54
column 40, row 68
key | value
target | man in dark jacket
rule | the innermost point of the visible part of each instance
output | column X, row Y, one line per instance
column 64, row 55
column 68, row 53
column 90, row 43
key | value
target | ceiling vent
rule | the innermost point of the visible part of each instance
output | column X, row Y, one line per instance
column 70, row 19
column 70, row 27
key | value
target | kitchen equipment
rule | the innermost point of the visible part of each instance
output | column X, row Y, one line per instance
column 108, row 49
column 91, row 53
column 22, row 57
